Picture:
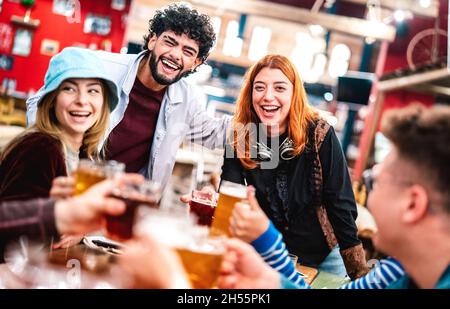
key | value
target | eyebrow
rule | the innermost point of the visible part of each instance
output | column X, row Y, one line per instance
column 175, row 42
column 276, row 83
column 171, row 39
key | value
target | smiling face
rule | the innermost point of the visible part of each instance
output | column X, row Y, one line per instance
column 271, row 98
column 78, row 105
column 172, row 57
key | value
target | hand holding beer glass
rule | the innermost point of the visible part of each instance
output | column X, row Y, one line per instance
column 230, row 194
column 86, row 175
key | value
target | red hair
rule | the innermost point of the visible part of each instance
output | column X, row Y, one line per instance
column 301, row 114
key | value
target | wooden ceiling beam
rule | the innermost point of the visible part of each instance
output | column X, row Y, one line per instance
column 412, row 80
column 344, row 24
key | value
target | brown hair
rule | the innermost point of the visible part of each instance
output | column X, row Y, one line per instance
column 422, row 138
column 301, row 114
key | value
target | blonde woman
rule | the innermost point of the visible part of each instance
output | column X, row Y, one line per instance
column 72, row 118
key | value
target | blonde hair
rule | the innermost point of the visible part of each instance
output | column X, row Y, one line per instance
column 46, row 122
column 301, row 114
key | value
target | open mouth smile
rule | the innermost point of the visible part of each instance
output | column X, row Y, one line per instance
column 170, row 65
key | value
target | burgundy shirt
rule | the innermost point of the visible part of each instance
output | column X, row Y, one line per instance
column 29, row 168
column 130, row 141
column 34, row 218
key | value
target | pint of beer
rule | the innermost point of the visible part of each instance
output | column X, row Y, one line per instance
column 203, row 205
column 230, row 194
column 89, row 173
column 147, row 194
column 200, row 253
column 201, row 260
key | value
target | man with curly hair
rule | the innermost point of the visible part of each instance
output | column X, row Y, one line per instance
column 157, row 107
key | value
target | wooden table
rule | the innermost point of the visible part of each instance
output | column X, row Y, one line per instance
column 310, row 272
column 326, row 280
column 320, row 279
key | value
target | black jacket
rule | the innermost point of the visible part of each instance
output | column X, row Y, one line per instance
column 299, row 225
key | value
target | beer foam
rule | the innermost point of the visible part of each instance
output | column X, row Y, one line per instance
column 206, row 245
column 238, row 192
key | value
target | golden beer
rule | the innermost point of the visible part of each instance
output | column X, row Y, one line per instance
column 89, row 173
column 200, row 253
column 230, row 194
column 203, row 268
column 85, row 178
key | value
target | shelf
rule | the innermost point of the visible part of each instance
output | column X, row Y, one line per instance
column 22, row 21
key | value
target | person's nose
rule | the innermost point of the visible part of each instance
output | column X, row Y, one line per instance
column 269, row 94
column 83, row 97
column 175, row 53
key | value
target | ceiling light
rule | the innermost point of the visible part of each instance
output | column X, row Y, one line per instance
column 425, row 3
column 316, row 30
column 328, row 96
column 399, row 16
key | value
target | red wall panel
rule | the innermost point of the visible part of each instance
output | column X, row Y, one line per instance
column 29, row 71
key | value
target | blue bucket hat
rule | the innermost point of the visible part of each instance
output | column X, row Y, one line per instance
column 75, row 62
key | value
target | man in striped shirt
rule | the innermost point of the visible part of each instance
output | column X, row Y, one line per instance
column 272, row 249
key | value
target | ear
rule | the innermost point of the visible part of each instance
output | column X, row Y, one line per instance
column 197, row 62
column 152, row 42
column 417, row 206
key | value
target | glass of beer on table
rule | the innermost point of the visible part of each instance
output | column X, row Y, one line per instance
column 229, row 194
column 90, row 172
column 200, row 253
column 203, row 205
column 146, row 194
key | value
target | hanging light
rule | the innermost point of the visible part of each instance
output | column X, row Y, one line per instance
column 425, row 3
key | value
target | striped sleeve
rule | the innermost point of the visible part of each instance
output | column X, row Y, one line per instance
column 383, row 274
column 30, row 217
column 272, row 249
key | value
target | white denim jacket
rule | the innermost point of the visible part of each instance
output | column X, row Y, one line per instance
column 182, row 114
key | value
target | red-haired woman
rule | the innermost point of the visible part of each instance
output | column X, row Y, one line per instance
column 273, row 149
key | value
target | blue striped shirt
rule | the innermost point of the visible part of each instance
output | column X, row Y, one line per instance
column 271, row 247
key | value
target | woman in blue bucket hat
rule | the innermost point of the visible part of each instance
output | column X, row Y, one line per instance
column 72, row 118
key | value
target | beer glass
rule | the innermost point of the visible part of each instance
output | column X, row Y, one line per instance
column 229, row 194
column 90, row 172
column 203, row 205
column 200, row 253
column 202, row 259
column 147, row 194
